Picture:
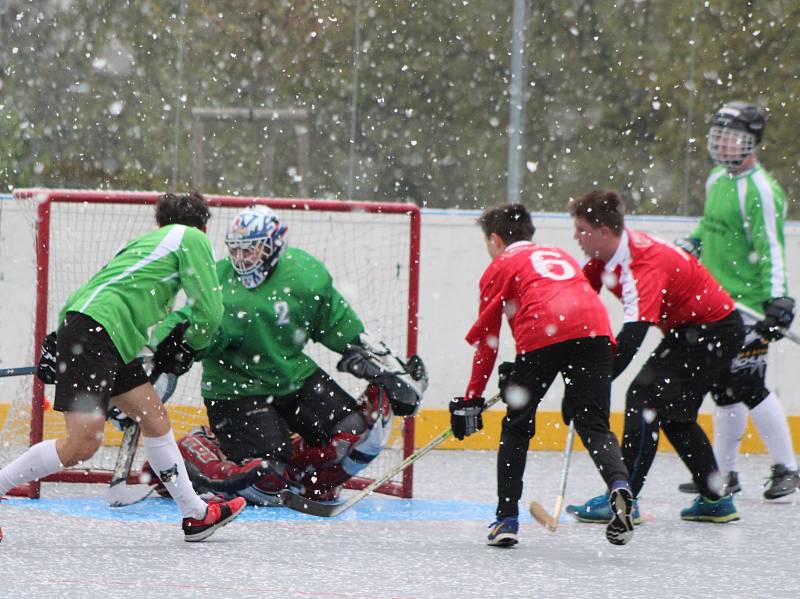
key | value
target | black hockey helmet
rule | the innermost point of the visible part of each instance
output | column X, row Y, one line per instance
column 742, row 116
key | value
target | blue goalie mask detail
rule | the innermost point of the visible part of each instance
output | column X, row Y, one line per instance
column 255, row 239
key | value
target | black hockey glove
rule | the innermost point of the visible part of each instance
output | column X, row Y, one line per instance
column 465, row 416
column 778, row 314
column 48, row 360
column 690, row 245
column 173, row 355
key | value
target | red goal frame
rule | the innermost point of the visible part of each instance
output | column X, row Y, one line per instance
column 46, row 197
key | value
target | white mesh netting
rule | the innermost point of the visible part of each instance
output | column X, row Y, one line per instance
column 366, row 252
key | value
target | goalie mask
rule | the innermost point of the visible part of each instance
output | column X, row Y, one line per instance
column 256, row 239
column 736, row 130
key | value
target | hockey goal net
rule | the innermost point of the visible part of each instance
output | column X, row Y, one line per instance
column 52, row 241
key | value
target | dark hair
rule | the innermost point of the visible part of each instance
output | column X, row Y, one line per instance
column 512, row 222
column 601, row 208
column 190, row 209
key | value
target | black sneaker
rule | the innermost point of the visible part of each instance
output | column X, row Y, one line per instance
column 782, row 482
column 731, row 486
column 217, row 516
column 619, row 530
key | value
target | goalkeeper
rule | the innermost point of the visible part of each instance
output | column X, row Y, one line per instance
column 260, row 388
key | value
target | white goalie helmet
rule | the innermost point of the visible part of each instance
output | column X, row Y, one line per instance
column 255, row 239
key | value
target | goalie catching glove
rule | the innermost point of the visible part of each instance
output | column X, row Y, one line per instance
column 404, row 382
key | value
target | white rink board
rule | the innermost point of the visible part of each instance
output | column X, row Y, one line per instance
column 453, row 258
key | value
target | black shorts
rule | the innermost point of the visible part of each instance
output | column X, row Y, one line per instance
column 90, row 369
column 689, row 362
column 253, row 427
column 746, row 380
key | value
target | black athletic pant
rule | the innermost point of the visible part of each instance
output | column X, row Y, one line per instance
column 688, row 363
column 585, row 364
column 258, row 426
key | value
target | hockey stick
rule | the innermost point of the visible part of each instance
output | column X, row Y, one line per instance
column 299, row 503
column 537, row 511
column 120, row 493
column 758, row 316
column 20, row 371
column 26, row 370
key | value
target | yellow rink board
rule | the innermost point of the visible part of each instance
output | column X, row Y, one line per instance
column 550, row 431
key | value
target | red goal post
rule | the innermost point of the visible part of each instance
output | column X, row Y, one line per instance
column 371, row 248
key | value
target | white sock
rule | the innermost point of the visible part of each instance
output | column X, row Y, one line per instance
column 729, row 426
column 167, row 463
column 770, row 421
column 37, row 462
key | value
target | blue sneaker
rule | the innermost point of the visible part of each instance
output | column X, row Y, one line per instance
column 704, row 510
column 598, row 510
column 504, row 532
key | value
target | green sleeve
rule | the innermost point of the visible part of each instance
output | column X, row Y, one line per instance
column 198, row 274
column 336, row 323
column 765, row 221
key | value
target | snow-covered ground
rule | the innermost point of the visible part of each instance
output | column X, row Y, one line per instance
column 70, row 544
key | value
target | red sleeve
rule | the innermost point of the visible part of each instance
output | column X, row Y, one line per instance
column 485, row 333
column 593, row 270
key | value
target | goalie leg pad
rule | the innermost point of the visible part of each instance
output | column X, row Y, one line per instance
column 209, row 467
column 359, row 441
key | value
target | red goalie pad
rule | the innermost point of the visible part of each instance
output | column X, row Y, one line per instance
column 210, row 470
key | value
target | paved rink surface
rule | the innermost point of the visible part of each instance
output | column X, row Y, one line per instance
column 70, row 544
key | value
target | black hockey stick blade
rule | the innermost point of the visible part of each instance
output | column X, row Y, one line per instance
column 302, row 504
column 298, row 503
column 19, row 371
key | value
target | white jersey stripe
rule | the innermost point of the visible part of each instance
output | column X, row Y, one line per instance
column 777, row 267
column 170, row 243
column 715, row 174
column 741, row 189
column 630, row 293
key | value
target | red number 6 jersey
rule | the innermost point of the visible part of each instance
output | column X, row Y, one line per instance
column 546, row 298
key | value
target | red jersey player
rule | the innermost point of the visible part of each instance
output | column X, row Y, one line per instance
column 664, row 286
column 559, row 325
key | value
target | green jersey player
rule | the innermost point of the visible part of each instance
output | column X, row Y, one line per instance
column 259, row 386
column 740, row 240
column 102, row 328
